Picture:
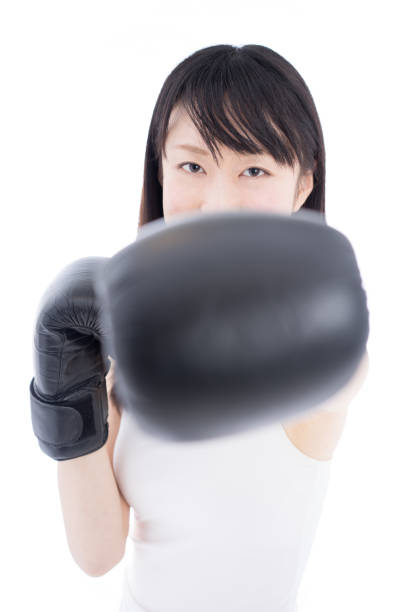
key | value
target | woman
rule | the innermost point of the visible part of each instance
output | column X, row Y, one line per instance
column 226, row 523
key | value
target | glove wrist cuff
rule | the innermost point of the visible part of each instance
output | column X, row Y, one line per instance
column 72, row 427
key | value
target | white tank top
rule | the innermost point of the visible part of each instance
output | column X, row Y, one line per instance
column 224, row 525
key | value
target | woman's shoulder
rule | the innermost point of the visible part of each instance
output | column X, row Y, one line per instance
column 317, row 435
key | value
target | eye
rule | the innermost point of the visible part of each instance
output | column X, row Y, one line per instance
column 189, row 164
column 197, row 166
column 260, row 169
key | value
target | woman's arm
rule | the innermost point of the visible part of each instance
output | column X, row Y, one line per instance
column 96, row 516
column 318, row 432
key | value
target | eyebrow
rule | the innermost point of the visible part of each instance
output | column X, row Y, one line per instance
column 192, row 148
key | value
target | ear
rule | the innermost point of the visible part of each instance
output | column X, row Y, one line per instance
column 303, row 189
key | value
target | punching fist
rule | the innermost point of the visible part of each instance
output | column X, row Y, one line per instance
column 226, row 321
column 69, row 406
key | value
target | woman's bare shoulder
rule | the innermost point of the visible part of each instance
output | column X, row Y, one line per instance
column 318, row 433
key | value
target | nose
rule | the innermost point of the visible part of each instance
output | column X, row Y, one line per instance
column 220, row 196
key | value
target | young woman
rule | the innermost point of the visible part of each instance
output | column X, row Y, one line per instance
column 226, row 524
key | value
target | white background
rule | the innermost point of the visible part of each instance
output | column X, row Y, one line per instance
column 79, row 80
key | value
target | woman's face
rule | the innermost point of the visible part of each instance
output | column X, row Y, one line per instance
column 192, row 181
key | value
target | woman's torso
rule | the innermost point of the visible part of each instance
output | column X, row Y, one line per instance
column 231, row 515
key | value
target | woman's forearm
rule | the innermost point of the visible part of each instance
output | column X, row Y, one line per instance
column 92, row 511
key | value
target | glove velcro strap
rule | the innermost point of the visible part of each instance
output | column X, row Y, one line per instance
column 72, row 427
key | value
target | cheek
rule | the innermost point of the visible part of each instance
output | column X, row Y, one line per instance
column 278, row 199
column 179, row 197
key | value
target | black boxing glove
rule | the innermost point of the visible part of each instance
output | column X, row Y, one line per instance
column 69, row 406
column 227, row 321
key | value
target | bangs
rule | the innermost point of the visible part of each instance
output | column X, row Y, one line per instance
column 239, row 105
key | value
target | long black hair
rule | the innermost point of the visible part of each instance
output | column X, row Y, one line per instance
column 252, row 87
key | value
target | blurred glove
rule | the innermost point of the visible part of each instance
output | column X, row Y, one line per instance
column 222, row 322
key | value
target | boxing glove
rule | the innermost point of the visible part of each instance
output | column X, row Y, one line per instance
column 68, row 396
column 223, row 322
